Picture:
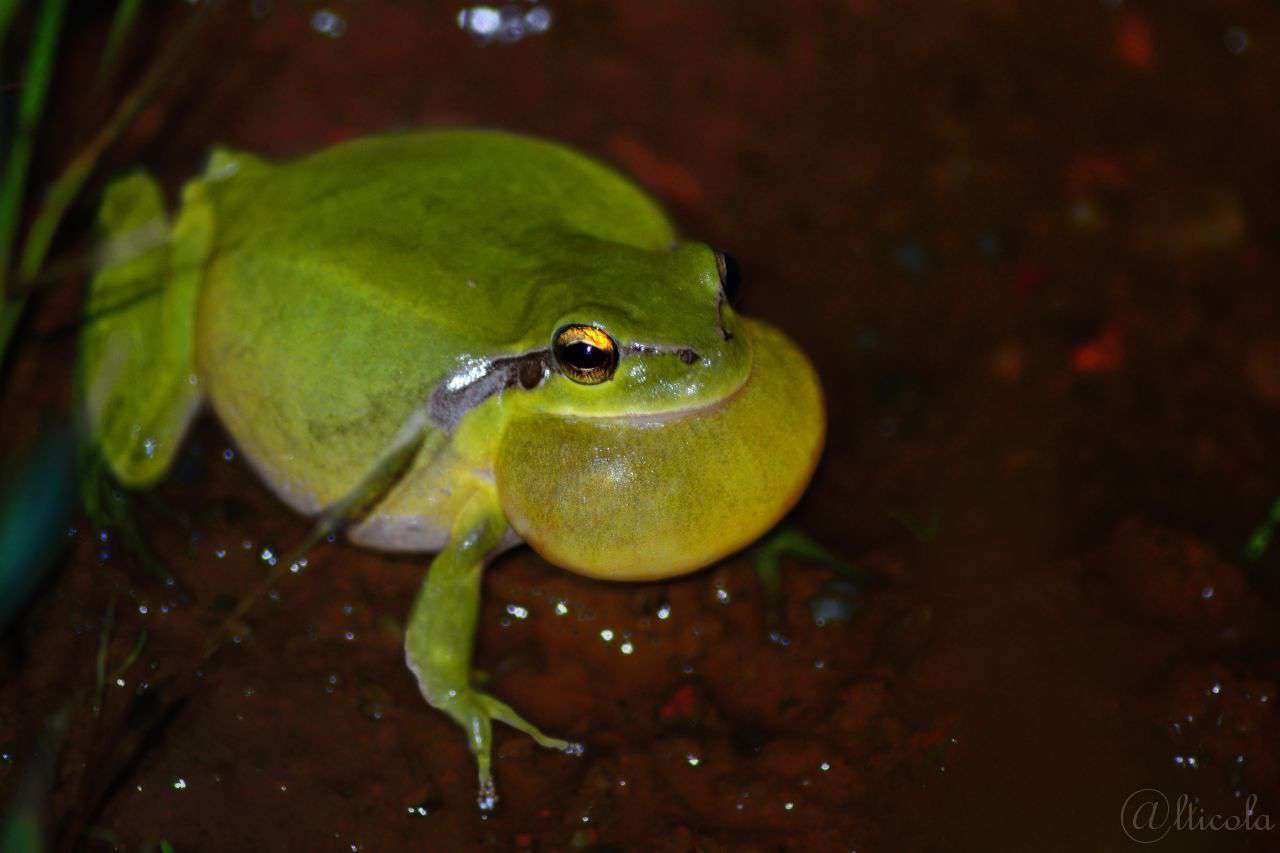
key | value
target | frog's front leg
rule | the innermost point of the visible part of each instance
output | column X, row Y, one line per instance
column 441, row 634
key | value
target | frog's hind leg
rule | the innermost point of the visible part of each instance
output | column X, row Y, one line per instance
column 137, row 374
column 442, row 630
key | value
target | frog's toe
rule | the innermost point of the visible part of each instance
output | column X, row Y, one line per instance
column 475, row 712
column 487, row 798
column 504, row 713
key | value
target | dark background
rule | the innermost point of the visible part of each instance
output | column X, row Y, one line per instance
column 1032, row 248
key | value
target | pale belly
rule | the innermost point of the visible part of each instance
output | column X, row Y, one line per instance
column 415, row 515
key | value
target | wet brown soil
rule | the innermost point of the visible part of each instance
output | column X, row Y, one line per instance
column 1033, row 250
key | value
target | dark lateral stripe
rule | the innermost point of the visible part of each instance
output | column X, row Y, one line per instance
column 447, row 405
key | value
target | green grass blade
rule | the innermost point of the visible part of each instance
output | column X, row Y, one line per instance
column 8, row 8
column 121, row 24
column 164, row 70
column 68, row 185
column 35, row 85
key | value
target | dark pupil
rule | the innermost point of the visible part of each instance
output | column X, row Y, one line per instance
column 584, row 356
column 731, row 281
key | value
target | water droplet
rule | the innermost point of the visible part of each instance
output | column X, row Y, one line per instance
column 833, row 603
column 506, row 24
column 607, row 635
column 693, row 760
column 517, row 611
column 538, row 19
column 664, row 612
column 481, row 21
column 561, row 608
column 626, row 648
column 328, row 23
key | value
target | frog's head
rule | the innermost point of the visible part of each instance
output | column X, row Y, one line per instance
column 638, row 333
column 667, row 431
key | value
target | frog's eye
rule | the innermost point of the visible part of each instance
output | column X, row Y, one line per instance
column 585, row 354
column 730, row 276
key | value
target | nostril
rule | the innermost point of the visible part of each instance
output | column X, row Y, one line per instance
column 687, row 355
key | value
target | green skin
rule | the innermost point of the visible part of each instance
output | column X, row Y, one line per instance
column 373, row 326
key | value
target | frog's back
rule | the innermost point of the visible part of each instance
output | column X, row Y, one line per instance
column 344, row 286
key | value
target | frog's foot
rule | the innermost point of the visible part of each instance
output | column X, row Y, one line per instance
column 475, row 712
column 789, row 541
column 137, row 373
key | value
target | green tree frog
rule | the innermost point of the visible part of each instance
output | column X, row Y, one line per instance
column 453, row 342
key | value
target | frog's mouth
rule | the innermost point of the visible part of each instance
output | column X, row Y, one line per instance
column 636, row 497
column 665, row 416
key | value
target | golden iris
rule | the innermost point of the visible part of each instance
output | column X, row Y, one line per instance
column 585, row 354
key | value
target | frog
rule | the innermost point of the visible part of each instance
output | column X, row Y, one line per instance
column 451, row 342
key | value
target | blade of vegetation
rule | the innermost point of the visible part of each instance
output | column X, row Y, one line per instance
column 8, row 8
column 23, row 826
column 64, row 190
column 121, row 24
column 165, row 70
column 35, row 86
column 37, row 498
